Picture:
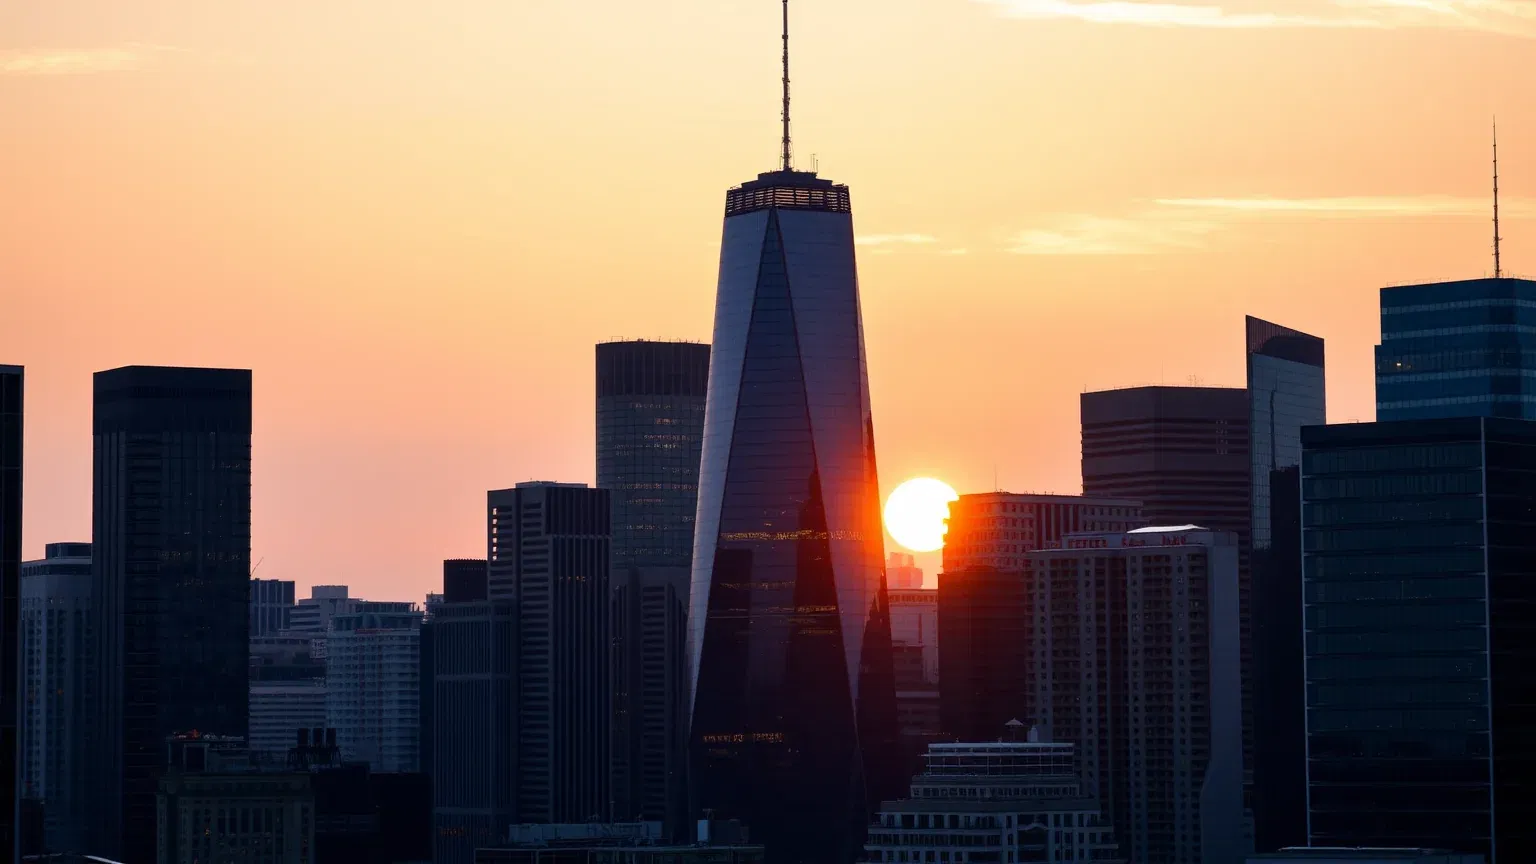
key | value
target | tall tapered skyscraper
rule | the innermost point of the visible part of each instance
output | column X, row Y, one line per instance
column 793, row 706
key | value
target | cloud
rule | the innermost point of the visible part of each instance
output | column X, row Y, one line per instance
column 1410, row 206
column 1510, row 17
column 895, row 239
column 96, row 61
column 1140, row 234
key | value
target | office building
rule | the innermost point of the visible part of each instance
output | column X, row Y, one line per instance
column 313, row 615
column 548, row 553
column 792, row 697
column 214, row 805
column 915, row 666
column 619, row 843
column 286, row 657
column 474, row 726
column 997, row 529
column 915, row 623
column 1457, row 349
column 279, row 709
column 650, row 636
column 11, row 403
column 373, row 688
column 1279, row 705
column 464, row 580
column 1013, row 800
column 57, row 649
column 901, row 571
column 984, row 670
column 1134, row 647
column 1417, row 559
column 271, row 606
column 1351, row 855
column 171, row 567
column 650, row 428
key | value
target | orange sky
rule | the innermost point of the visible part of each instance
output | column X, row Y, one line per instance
column 413, row 220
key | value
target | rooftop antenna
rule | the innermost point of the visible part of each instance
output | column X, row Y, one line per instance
column 784, row 145
column 1498, row 269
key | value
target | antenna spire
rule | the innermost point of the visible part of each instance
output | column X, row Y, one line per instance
column 1498, row 269
column 785, row 153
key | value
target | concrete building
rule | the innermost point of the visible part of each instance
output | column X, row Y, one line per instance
column 1002, row 801
column 997, row 529
column 58, row 636
column 650, row 634
column 915, row 664
column 279, row 709
column 171, row 562
column 271, row 606
column 313, row 615
column 214, row 805
column 1135, row 658
column 548, row 552
column 902, row 572
column 373, row 688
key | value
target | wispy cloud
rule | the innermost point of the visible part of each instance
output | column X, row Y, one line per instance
column 1510, row 17
column 895, row 239
column 94, row 61
column 1138, row 234
column 1410, row 206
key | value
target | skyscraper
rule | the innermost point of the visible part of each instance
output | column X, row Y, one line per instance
column 11, row 399
column 792, row 696
column 984, row 670
column 650, row 428
column 464, row 580
column 997, row 529
column 58, row 639
column 171, row 567
column 650, row 638
column 1419, row 634
column 548, row 552
column 271, row 606
column 373, row 688
column 1286, row 391
column 1134, row 645
column 1457, row 349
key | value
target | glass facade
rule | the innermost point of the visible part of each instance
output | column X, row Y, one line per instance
column 793, row 703
column 172, row 559
column 1457, row 349
column 1419, row 538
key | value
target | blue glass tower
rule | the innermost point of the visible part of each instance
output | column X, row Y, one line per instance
column 1457, row 349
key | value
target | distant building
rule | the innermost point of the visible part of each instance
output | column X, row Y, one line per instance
column 1134, row 647
column 901, row 571
column 997, row 529
column 171, row 561
column 915, row 663
column 363, row 817
column 286, row 657
column 58, row 638
column 549, row 554
column 279, row 709
column 373, row 688
column 1017, row 800
column 271, row 606
column 474, row 726
column 985, row 673
column 1457, row 349
column 464, row 580
column 1279, row 703
column 1417, row 553
column 313, row 615
column 650, row 637
column 1366, row 855
column 214, row 805
column 11, row 425
column 614, row 843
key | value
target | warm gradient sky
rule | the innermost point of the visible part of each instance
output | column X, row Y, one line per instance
column 413, row 219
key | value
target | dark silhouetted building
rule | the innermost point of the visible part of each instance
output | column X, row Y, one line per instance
column 1419, row 542
column 793, row 699
column 915, row 665
column 997, row 529
column 171, row 546
column 549, row 555
column 464, row 580
column 271, row 605
column 1279, row 703
column 984, row 667
column 1134, row 641
column 216, row 805
column 11, row 402
column 1286, row 391
column 619, row 843
column 650, row 637
column 58, row 639
column 474, row 727
column 1457, row 349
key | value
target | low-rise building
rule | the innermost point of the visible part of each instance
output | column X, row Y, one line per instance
column 214, row 805
column 1362, row 855
column 620, row 843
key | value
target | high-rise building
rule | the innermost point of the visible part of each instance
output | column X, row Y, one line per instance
column 1279, row 704
column 171, row 568
column 474, row 727
column 984, row 667
column 214, row 805
column 313, row 615
column 1015, row 800
column 11, row 402
column 58, row 637
column 915, row 664
column 548, row 553
column 1419, row 634
column 1286, row 391
column 792, row 697
column 464, row 580
column 373, row 688
column 901, row 571
column 271, row 606
column 1457, row 349
column 279, row 709
column 1134, row 641
column 997, row 529
column 650, row 635
column 650, row 428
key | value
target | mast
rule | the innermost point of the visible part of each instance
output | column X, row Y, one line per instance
column 784, row 148
column 1498, row 269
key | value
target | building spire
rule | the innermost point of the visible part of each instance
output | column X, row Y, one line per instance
column 1498, row 268
column 785, row 153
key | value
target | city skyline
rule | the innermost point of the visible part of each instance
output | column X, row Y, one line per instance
column 353, row 267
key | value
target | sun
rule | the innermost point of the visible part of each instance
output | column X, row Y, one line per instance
column 915, row 513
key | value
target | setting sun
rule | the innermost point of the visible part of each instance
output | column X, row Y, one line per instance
column 916, row 511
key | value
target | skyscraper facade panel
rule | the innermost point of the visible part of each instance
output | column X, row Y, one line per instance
column 793, row 705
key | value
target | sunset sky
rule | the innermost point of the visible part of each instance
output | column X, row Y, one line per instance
column 413, row 219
